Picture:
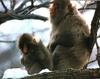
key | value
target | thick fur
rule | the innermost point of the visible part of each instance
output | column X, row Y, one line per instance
column 35, row 56
column 69, row 39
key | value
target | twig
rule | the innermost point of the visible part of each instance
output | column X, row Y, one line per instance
column 88, row 6
column 89, row 63
column 21, row 6
column 39, row 6
column 4, row 6
column 2, row 41
column 98, row 36
column 12, row 4
column 30, row 16
column 85, row 4
column 32, row 2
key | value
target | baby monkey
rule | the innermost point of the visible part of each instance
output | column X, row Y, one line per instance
column 35, row 56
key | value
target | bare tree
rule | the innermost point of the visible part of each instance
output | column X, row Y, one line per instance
column 23, row 11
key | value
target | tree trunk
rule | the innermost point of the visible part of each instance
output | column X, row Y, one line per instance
column 94, row 26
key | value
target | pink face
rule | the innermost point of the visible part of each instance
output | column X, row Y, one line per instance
column 24, row 50
column 53, row 8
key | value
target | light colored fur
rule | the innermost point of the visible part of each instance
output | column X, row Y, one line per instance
column 70, row 31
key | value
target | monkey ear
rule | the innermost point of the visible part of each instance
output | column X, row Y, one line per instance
column 35, row 40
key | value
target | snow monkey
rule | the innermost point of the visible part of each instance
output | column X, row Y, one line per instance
column 69, row 39
column 35, row 56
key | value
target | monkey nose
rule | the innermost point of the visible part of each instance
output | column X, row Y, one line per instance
column 25, row 49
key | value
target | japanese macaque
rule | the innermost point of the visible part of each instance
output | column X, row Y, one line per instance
column 69, row 41
column 35, row 56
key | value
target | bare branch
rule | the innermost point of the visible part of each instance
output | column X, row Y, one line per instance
column 21, row 6
column 45, row 4
column 2, row 41
column 85, row 67
column 85, row 4
column 4, row 6
column 32, row 2
column 10, row 16
column 29, row 9
column 30, row 16
column 39, row 6
column 98, row 36
column 23, row 12
column 89, row 6
column 12, row 4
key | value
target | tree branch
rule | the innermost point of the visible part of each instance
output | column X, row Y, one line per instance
column 38, row 6
column 21, row 6
column 94, row 26
column 4, row 6
column 89, row 6
column 23, row 12
column 10, row 16
column 12, row 4
column 30, row 16
column 68, row 74
column 2, row 41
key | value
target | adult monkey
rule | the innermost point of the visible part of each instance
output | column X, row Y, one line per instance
column 69, row 41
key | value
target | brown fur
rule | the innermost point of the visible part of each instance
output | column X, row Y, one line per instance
column 69, row 37
column 35, row 56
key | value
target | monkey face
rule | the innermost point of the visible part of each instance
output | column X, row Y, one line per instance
column 24, row 50
column 27, row 43
column 29, row 48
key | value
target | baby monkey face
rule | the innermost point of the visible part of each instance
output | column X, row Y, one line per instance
column 27, row 42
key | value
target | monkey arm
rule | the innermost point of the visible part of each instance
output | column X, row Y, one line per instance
column 45, row 56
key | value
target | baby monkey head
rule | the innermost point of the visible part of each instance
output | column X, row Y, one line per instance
column 26, row 43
